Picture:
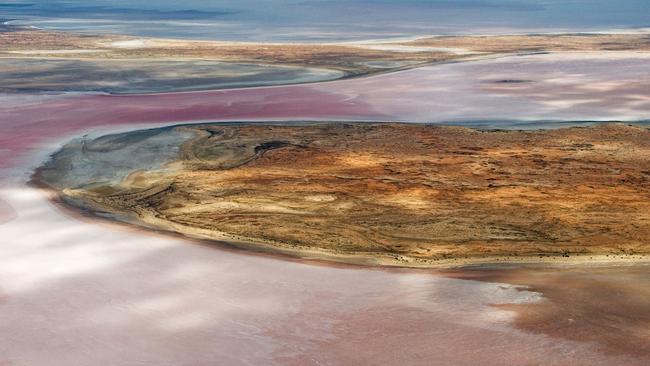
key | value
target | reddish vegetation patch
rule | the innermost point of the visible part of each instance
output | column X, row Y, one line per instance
column 610, row 306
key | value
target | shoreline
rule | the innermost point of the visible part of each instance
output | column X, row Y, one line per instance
column 325, row 258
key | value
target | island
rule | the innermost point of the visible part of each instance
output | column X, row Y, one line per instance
column 373, row 193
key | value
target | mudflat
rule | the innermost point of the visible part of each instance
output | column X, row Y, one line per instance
column 379, row 193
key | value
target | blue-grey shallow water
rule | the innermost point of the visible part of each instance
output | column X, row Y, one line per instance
column 324, row 20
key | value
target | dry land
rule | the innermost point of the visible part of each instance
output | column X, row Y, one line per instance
column 406, row 194
column 540, row 42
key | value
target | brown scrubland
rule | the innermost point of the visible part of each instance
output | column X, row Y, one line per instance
column 398, row 193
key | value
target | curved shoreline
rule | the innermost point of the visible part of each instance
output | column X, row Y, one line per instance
column 326, row 258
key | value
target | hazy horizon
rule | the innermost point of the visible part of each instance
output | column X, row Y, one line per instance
column 322, row 20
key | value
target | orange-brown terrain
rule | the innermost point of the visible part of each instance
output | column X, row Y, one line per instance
column 541, row 42
column 404, row 194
